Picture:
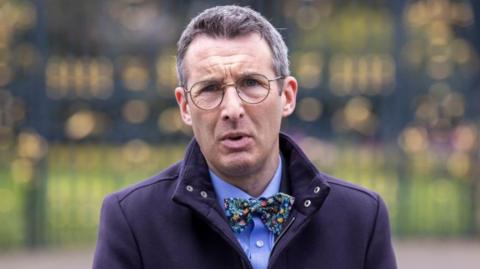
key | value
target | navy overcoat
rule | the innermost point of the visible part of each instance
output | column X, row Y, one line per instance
column 173, row 221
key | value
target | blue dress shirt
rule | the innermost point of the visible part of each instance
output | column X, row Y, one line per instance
column 256, row 240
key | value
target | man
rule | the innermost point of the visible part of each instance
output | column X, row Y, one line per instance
column 245, row 195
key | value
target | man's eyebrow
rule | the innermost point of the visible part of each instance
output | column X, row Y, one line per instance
column 210, row 79
column 216, row 78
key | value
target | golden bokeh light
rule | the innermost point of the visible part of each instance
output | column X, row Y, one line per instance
column 461, row 51
column 170, row 121
column 309, row 66
column 465, row 138
column 364, row 74
column 135, row 74
column 309, row 109
column 357, row 111
column 135, row 111
column 80, row 125
column 416, row 14
column 31, row 145
column 100, row 77
column 439, row 53
column 82, row 77
column 439, row 32
column 166, row 74
column 136, row 151
column 356, row 115
column 413, row 140
column 25, row 15
column 22, row 170
column 422, row 12
column 427, row 110
column 459, row 164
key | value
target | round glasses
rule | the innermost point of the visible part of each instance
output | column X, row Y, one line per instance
column 251, row 89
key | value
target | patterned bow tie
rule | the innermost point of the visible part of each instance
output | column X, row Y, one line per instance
column 273, row 211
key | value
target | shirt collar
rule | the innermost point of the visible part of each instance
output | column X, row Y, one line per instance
column 224, row 189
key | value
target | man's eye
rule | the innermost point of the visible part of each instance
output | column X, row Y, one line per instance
column 210, row 88
column 249, row 82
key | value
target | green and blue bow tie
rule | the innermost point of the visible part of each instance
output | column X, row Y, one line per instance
column 273, row 211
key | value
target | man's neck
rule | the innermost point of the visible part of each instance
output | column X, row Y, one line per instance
column 255, row 182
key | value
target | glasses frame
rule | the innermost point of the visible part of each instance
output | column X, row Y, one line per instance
column 224, row 87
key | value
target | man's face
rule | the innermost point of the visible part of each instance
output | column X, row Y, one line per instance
column 236, row 138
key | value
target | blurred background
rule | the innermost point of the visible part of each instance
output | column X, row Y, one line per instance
column 389, row 99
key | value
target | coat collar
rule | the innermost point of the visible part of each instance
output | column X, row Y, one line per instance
column 300, row 179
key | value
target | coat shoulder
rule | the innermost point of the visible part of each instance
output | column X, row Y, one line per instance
column 346, row 187
column 352, row 196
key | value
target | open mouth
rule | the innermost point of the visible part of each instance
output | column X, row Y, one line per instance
column 236, row 141
column 235, row 137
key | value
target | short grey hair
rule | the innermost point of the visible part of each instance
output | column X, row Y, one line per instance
column 230, row 22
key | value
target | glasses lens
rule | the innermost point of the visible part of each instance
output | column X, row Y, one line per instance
column 253, row 88
column 206, row 95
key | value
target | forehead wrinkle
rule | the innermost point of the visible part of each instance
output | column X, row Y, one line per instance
column 223, row 70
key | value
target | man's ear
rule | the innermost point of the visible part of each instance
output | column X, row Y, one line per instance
column 182, row 102
column 289, row 95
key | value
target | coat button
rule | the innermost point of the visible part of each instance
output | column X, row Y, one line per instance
column 259, row 243
column 189, row 188
column 307, row 203
column 317, row 189
column 204, row 194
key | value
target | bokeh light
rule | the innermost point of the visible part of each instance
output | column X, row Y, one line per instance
column 166, row 73
column 413, row 140
column 135, row 111
column 465, row 138
column 309, row 66
column 136, row 151
column 22, row 170
column 309, row 109
column 135, row 74
column 370, row 74
column 31, row 145
column 459, row 164
column 79, row 77
column 387, row 98
column 80, row 125
column 170, row 120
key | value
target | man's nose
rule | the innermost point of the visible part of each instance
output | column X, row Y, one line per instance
column 232, row 105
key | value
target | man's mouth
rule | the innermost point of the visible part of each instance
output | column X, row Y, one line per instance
column 236, row 141
column 235, row 137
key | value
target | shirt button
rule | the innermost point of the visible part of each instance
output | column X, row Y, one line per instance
column 259, row 243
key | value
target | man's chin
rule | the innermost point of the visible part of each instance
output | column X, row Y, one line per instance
column 237, row 166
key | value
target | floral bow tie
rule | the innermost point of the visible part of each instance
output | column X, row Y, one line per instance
column 273, row 211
